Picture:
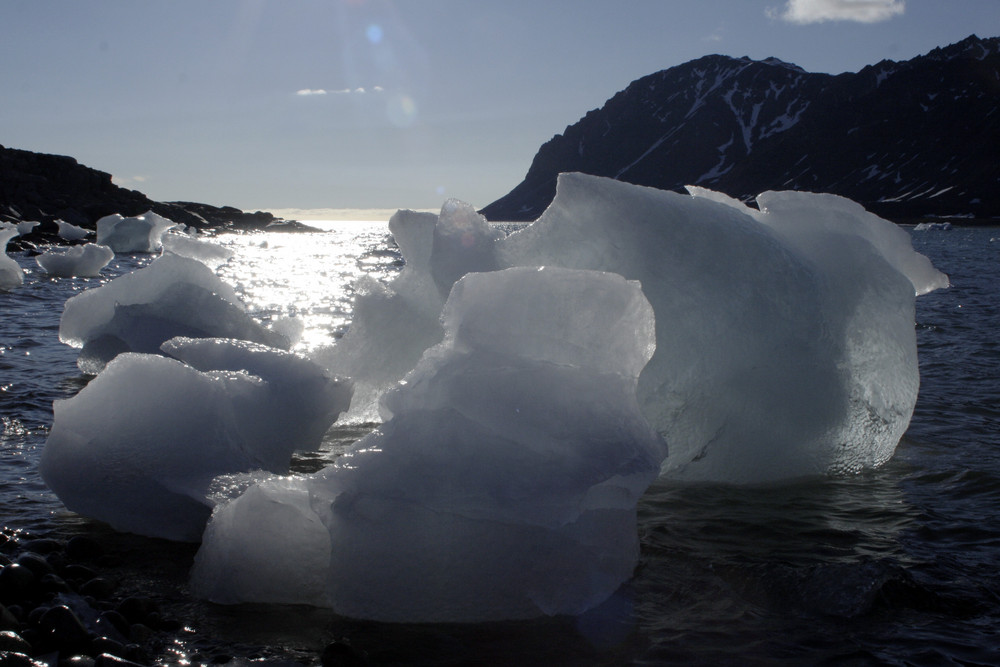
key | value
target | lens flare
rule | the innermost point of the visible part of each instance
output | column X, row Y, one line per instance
column 401, row 110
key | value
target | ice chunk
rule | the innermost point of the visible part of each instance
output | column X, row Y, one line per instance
column 305, row 400
column 463, row 243
column 139, row 234
column 140, row 445
column 503, row 484
column 211, row 255
column 83, row 260
column 70, row 232
column 781, row 352
column 11, row 273
column 26, row 227
column 173, row 296
column 391, row 325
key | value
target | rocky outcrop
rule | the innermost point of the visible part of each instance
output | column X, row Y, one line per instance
column 905, row 139
column 38, row 186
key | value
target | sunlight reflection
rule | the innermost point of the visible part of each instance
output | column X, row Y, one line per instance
column 317, row 271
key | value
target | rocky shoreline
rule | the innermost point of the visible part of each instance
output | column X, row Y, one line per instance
column 45, row 188
column 74, row 601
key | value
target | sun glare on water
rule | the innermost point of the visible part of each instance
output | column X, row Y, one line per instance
column 308, row 276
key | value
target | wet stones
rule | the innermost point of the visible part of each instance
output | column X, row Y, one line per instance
column 54, row 606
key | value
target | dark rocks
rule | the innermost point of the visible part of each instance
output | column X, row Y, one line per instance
column 42, row 187
column 11, row 641
column 98, row 588
column 17, row 582
column 342, row 654
column 61, row 628
column 14, row 659
column 55, row 609
column 81, row 547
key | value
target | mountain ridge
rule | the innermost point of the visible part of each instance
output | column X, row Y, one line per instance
column 906, row 139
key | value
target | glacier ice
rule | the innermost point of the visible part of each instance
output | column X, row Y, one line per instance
column 135, row 234
column 137, row 312
column 140, row 445
column 11, row 273
column 83, row 260
column 502, row 485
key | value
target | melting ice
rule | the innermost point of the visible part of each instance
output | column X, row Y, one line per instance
column 537, row 394
column 82, row 260
column 503, row 483
column 137, row 312
column 140, row 445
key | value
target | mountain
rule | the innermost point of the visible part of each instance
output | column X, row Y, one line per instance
column 38, row 186
column 905, row 139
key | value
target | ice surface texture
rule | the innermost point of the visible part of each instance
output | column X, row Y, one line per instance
column 785, row 339
column 393, row 325
column 137, row 312
column 211, row 255
column 785, row 342
column 83, row 260
column 70, row 232
column 140, row 446
column 502, row 485
column 139, row 234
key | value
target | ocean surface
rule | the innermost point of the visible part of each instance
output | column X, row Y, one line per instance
column 900, row 566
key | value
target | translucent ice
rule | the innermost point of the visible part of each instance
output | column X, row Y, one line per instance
column 807, row 220
column 82, row 260
column 140, row 445
column 502, row 485
column 173, row 296
column 11, row 274
column 139, row 234
column 70, row 232
column 785, row 340
column 392, row 325
column 210, row 254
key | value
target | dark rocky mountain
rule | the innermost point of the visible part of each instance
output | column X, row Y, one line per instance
column 905, row 139
column 38, row 186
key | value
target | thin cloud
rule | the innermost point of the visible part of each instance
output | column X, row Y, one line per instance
column 816, row 11
column 125, row 181
column 360, row 90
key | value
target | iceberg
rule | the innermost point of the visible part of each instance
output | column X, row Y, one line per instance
column 785, row 342
column 11, row 273
column 70, row 232
column 503, row 483
column 84, row 260
column 140, row 446
column 137, row 312
column 137, row 234
column 785, row 339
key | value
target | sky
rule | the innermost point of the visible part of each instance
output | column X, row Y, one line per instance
column 361, row 104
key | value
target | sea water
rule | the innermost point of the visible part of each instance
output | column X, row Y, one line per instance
column 895, row 566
